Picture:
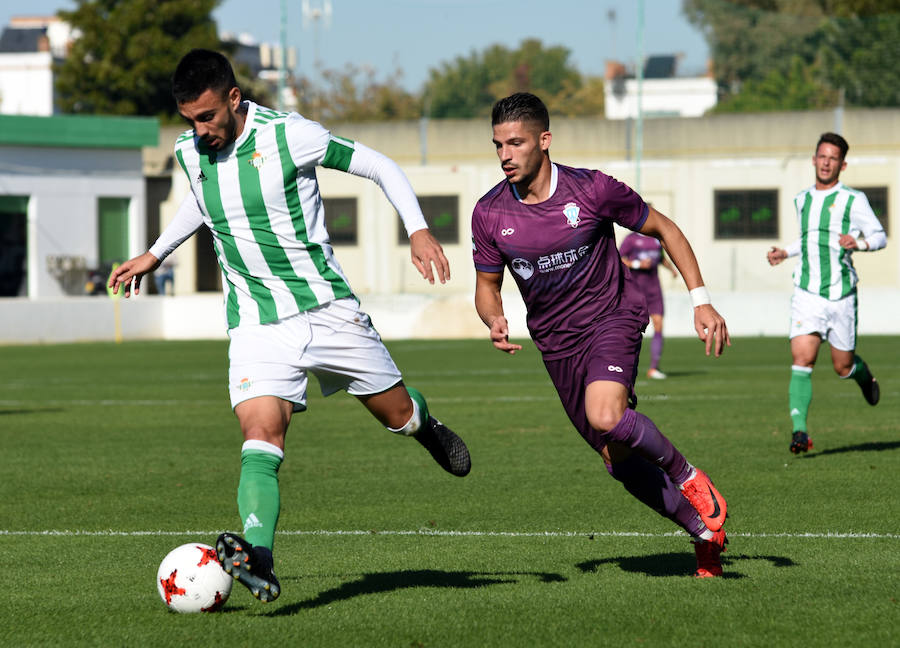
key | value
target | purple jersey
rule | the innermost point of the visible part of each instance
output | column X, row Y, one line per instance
column 561, row 252
column 637, row 246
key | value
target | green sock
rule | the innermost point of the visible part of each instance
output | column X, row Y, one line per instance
column 860, row 372
column 800, row 396
column 416, row 395
column 259, row 501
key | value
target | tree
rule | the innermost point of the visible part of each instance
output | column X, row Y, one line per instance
column 468, row 86
column 842, row 44
column 126, row 50
column 355, row 94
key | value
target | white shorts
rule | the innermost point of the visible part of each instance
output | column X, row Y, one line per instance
column 834, row 321
column 335, row 342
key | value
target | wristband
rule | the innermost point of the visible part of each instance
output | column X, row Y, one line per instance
column 635, row 265
column 699, row 296
column 862, row 244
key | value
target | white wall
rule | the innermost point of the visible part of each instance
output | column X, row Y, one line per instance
column 26, row 83
column 441, row 315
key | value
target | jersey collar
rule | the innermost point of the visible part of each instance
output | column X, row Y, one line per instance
column 554, row 178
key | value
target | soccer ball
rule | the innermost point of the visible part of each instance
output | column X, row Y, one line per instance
column 190, row 579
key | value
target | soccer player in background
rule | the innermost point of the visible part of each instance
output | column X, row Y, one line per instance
column 552, row 227
column 643, row 255
column 835, row 222
column 289, row 308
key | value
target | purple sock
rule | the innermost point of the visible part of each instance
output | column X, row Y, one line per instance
column 653, row 487
column 656, row 346
column 639, row 433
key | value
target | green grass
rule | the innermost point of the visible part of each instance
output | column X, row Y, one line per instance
column 111, row 455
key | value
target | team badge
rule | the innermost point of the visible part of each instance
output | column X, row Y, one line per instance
column 256, row 160
column 571, row 211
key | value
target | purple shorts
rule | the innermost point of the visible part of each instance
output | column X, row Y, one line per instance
column 611, row 353
column 647, row 283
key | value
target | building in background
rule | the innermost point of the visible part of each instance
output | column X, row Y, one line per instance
column 29, row 46
column 664, row 93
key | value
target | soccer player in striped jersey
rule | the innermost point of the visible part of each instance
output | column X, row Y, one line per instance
column 551, row 226
column 835, row 222
column 288, row 306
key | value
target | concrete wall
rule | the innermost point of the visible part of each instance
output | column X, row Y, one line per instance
column 684, row 162
column 442, row 315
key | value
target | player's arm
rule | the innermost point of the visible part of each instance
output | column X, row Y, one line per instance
column 776, row 254
column 489, row 305
column 188, row 219
column 424, row 248
column 710, row 326
column 668, row 265
column 868, row 234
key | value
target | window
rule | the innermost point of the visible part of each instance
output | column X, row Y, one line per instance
column 112, row 227
column 878, row 199
column 341, row 220
column 13, row 246
column 441, row 214
column 746, row 213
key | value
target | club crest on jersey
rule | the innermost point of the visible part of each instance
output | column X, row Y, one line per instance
column 256, row 160
column 571, row 211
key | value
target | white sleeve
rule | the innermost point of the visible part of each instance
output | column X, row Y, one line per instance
column 793, row 249
column 864, row 220
column 188, row 219
column 382, row 170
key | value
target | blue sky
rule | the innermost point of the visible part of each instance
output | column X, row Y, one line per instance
column 417, row 35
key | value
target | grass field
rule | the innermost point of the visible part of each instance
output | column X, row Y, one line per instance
column 111, row 455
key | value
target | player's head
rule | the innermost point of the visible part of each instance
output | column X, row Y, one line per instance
column 521, row 107
column 207, row 96
column 521, row 127
column 830, row 159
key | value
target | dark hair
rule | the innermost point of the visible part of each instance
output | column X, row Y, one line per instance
column 836, row 140
column 521, row 107
column 201, row 70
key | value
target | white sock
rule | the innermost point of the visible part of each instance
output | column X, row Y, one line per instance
column 412, row 425
column 263, row 446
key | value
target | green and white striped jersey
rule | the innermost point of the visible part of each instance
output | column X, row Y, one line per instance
column 825, row 268
column 260, row 199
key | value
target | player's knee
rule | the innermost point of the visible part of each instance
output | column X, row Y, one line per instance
column 605, row 418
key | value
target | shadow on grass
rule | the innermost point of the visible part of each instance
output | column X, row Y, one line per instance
column 676, row 564
column 390, row 581
column 42, row 410
column 873, row 446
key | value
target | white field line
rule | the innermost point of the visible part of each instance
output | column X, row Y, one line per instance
column 835, row 535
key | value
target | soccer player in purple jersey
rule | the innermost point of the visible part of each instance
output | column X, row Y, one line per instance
column 644, row 255
column 552, row 226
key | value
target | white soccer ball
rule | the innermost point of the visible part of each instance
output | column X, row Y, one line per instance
column 190, row 579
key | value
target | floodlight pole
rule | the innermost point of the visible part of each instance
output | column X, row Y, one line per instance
column 639, row 73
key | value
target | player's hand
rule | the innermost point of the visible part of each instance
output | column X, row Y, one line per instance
column 425, row 251
column 776, row 255
column 847, row 241
column 500, row 336
column 133, row 269
column 711, row 328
